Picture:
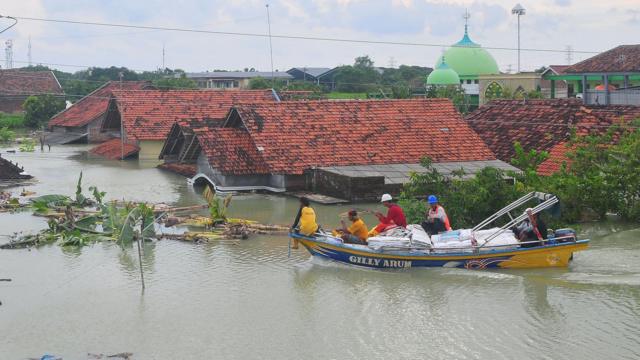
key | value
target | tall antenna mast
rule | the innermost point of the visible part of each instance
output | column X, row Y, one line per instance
column 8, row 54
column 29, row 51
column 163, row 66
column 273, row 79
column 569, row 54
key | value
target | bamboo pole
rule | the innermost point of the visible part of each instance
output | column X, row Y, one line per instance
column 140, row 260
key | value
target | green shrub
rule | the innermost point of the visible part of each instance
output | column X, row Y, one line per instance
column 6, row 135
column 39, row 109
column 11, row 121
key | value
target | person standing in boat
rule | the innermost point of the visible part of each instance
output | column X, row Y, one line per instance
column 306, row 220
column 395, row 216
column 356, row 233
column 437, row 220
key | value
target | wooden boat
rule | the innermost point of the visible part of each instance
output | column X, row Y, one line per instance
column 407, row 251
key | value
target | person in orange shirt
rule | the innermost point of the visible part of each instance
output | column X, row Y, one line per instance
column 357, row 232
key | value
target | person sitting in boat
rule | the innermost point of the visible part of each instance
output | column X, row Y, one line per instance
column 437, row 220
column 356, row 233
column 306, row 219
column 395, row 216
column 531, row 231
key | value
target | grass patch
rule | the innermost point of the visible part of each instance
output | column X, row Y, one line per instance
column 344, row 95
column 11, row 121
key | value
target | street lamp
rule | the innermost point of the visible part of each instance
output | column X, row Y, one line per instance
column 518, row 10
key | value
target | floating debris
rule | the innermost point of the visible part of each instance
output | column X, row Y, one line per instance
column 79, row 221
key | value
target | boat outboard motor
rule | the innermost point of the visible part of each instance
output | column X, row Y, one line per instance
column 565, row 235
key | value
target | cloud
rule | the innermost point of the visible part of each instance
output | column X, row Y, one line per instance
column 547, row 24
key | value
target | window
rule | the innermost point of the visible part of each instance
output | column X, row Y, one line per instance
column 476, row 81
column 493, row 91
column 468, row 81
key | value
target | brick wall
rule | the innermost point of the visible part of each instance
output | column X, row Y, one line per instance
column 11, row 103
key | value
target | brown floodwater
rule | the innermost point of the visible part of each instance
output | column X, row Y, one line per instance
column 249, row 300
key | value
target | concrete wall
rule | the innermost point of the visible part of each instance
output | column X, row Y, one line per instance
column 358, row 189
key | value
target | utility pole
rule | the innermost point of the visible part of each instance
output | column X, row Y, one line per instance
column 29, row 51
column 519, row 11
column 120, row 75
column 273, row 79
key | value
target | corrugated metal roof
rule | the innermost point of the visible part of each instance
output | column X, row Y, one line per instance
column 239, row 75
column 399, row 173
column 313, row 71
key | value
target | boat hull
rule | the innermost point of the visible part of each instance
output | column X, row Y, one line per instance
column 557, row 255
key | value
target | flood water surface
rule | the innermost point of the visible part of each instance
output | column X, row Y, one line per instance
column 250, row 300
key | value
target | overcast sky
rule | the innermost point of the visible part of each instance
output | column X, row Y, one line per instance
column 549, row 24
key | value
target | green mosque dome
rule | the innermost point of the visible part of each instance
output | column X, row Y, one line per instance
column 469, row 59
column 443, row 75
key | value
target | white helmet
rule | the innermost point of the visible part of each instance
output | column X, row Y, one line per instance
column 386, row 197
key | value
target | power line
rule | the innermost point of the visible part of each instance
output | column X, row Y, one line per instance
column 289, row 37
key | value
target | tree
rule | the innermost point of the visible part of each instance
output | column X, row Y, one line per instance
column 39, row 109
column 260, row 83
column 452, row 92
column 363, row 62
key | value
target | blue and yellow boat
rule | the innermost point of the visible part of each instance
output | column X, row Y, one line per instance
column 556, row 250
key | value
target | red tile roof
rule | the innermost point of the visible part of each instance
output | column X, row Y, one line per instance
column 113, row 149
column 188, row 170
column 535, row 124
column 21, row 82
column 150, row 114
column 543, row 125
column 231, row 151
column 624, row 58
column 93, row 105
column 558, row 69
column 291, row 137
column 557, row 157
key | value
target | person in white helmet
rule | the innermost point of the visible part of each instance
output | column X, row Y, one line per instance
column 395, row 215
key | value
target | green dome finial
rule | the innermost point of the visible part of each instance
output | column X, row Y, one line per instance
column 467, row 58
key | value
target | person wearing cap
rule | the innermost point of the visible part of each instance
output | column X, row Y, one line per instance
column 437, row 220
column 357, row 232
column 306, row 219
column 395, row 215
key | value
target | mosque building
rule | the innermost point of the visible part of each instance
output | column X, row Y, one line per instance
column 463, row 63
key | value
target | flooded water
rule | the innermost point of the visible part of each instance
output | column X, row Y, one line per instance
column 249, row 300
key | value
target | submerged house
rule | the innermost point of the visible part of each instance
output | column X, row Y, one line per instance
column 354, row 150
column 543, row 125
column 10, row 171
column 82, row 121
column 145, row 118
column 609, row 78
column 17, row 85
